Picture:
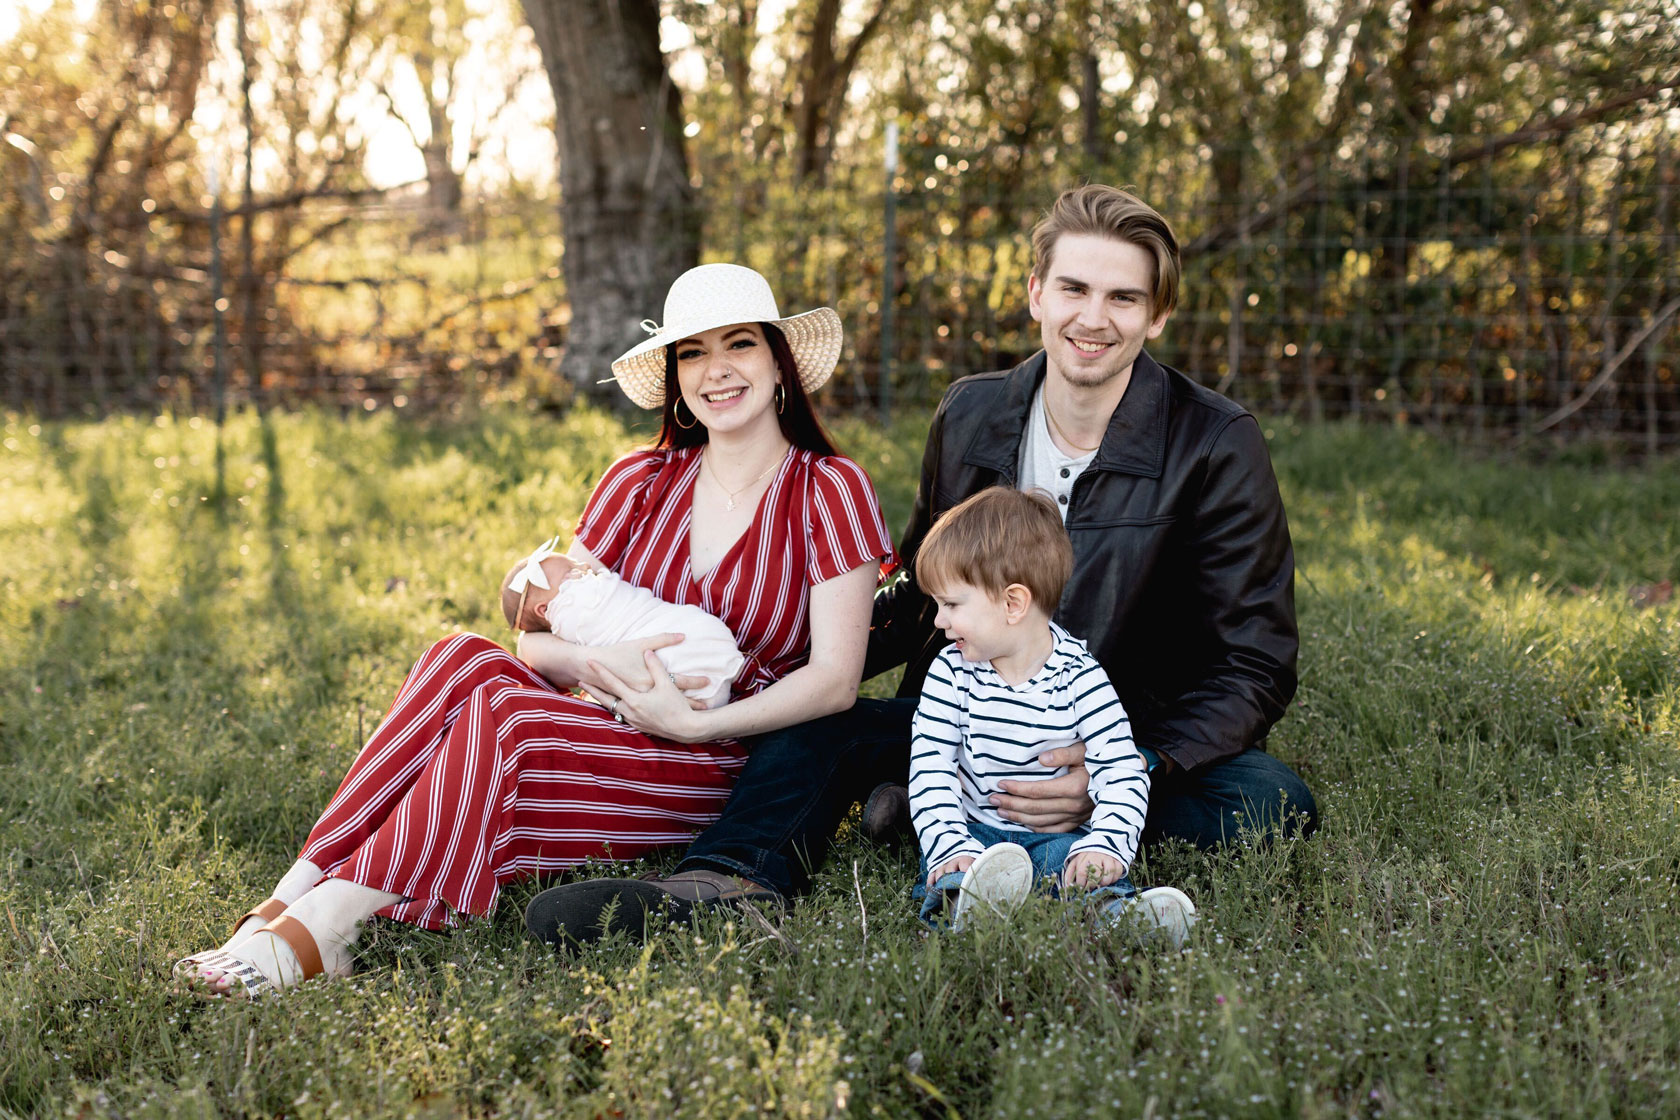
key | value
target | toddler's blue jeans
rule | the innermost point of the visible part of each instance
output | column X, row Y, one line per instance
column 1049, row 850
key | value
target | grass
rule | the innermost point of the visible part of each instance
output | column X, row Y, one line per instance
column 1486, row 923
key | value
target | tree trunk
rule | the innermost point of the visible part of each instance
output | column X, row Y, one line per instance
column 443, row 183
column 1090, row 105
column 823, row 80
column 816, row 87
column 629, row 218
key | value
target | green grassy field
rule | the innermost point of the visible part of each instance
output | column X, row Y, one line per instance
column 1486, row 923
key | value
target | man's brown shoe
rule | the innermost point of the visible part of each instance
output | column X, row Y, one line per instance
column 589, row 909
column 886, row 815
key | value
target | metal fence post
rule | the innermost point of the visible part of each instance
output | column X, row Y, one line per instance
column 217, row 301
column 889, row 274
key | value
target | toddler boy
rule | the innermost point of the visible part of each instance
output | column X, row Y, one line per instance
column 1011, row 685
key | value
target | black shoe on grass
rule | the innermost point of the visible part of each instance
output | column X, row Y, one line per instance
column 886, row 816
column 586, row 911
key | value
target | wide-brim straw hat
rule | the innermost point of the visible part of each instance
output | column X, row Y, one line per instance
column 718, row 295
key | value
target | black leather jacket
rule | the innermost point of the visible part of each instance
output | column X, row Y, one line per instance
column 1183, row 575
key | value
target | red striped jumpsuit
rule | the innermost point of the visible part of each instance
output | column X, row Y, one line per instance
column 482, row 771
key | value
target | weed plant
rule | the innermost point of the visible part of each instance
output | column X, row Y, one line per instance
column 196, row 630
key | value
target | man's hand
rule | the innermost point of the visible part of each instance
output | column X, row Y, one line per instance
column 1055, row 804
column 1086, row 871
column 949, row 867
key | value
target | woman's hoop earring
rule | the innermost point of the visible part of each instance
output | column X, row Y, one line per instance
column 781, row 397
column 676, row 417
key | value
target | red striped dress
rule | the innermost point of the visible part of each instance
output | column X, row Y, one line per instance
column 482, row 771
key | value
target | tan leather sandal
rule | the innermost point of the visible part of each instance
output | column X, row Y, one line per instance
column 248, row 980
column 267, row 911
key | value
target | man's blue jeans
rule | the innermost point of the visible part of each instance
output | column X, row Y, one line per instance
column 1049, row 851
column 799, row 783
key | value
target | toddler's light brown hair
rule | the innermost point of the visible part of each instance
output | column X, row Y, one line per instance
column 995, row 538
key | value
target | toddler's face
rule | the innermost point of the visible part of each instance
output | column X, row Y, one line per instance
column 974, row 620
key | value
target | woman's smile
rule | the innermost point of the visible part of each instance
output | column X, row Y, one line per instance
column 716, row 397
column 728, row 377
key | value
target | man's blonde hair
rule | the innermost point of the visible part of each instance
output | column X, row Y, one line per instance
column 1101, row 211
column 998, row 537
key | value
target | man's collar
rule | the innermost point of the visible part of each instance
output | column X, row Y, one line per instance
column 996, row 444
column 1135, row 442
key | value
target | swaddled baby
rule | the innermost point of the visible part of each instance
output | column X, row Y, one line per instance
column 548, row 591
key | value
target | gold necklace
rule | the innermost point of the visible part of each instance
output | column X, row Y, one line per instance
column 706, row 461
column 1063, row 433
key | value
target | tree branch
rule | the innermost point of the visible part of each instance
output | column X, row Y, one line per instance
column 1268, row 213
column 1609, row 371
column 1567, row 122
column 287, row 201
column 392, row 110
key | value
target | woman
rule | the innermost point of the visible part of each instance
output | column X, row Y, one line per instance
column 487, row 768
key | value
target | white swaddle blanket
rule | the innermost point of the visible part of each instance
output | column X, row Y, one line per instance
column 600, row 608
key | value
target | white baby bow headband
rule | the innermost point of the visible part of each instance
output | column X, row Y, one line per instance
column 531, row 572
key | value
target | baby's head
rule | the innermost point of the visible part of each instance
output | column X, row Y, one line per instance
column 1005, row 547
column 524, row 600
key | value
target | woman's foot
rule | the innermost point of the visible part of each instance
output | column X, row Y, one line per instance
column 293, row 885
column 315, row 937
column 298, row 881
column 275, row 958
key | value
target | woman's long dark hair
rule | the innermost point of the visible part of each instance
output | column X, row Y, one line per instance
column 797, row 418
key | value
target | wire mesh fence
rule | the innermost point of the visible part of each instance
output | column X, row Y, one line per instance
column 1497, row 290
column 351, row 306
column 1494, row 289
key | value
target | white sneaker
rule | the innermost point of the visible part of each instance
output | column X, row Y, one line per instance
column 1159, row 913
column 999, row 880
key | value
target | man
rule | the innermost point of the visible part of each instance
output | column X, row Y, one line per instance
column 1183, row 587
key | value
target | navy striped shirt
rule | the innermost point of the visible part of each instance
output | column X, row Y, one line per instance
column 973, row 729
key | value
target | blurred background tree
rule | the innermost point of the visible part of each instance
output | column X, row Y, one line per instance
column 95, row 117
column 426, row 46
column 628, row 213
column 1438, row 212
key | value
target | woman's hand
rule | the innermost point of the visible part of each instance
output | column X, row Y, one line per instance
column 659, row 707
column 629, row 664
